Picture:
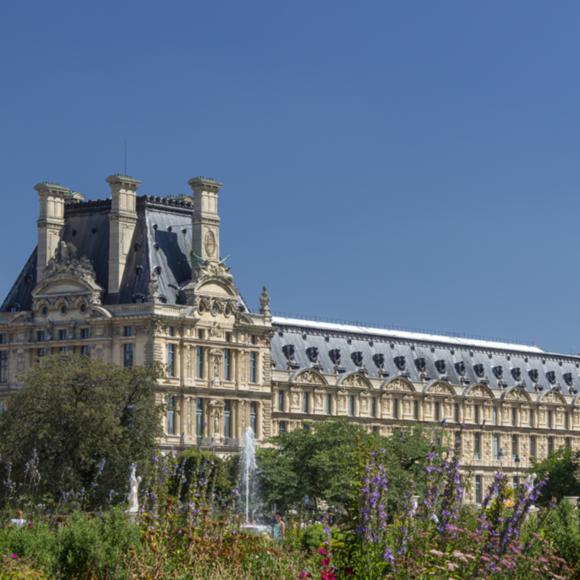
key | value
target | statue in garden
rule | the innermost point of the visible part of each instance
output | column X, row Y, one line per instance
column 134, row 483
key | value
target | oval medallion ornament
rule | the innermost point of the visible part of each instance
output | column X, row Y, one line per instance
column 209, row 244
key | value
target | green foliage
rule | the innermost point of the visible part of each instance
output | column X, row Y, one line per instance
column 561, row 527
column 321, row 463
column 75, row 427
column 83, row 546
column 313, row 536
column 562, row 468
column 324, row 463
column 195, row 465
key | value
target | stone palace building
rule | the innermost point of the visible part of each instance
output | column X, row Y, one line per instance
column 134, row 279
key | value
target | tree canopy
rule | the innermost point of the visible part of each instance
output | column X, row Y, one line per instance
column 76, row 425
column 322, row 464
column 562, row 468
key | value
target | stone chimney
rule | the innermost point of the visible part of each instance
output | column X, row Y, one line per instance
column 52, row 199
column 205, row 221
column 122, row 222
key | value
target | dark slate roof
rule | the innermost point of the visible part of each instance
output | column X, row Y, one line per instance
column 20, row 295
column 161, row 244
column 443, row 356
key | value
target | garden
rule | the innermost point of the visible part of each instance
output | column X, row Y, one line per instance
column 355, row 505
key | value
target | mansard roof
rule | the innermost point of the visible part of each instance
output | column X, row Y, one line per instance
column 161, row 245
column 422, row 358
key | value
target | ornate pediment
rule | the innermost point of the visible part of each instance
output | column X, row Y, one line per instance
column 308, row 377
column 67, row 277
column 398, row 385
column 355, row 379
column 439, row 388
column 479, row 391
column 553, row 396
column 516, row 393
column 212, row 289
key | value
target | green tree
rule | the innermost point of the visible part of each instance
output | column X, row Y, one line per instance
column 322, row 464
column 76, row 426
column 562, row 468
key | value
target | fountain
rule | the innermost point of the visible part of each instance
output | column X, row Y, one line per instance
column 248, row 483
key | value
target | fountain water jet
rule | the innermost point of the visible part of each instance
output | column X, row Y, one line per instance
column 248, row 484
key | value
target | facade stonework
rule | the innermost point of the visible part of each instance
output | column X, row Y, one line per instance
column 136, row 280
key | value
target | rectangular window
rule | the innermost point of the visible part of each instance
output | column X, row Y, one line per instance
column 376, row 429
column 3, row 339
column 494, row 415
column 328, row 404
column 550, row 419
column 170, row 331
column 85, row 333
column 170, row 414
column 227, row 364
column 550, row 445
column 201, row 333
column 437, row 410
column 254, row 417
column 533, row 446
column 515, row 448
column 496, row 446
column 199, row 370
column 128, row 355
column 306, row 402
column 456, row 413
column 3, row 367
column 62, row 334
column 396, row 409
column 227, row 419
column 254, row 339
column 352, row 405
column 253, row 367
column 281, row 427
column 415, row 409
column 40, row 336
column 281, row 401
column 85, row 350
column 514, row 416
column 228, row 337
column 373, row 407
column 476, row 414
column 477, row 445
column 40, row 352
column 567, row 421
column 478, row 489
column 199, row 418
column 457, row 443
column 568, row 443
column 171, row 360
column 127, row 331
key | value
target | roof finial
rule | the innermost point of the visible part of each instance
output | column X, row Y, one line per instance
column 265, row 302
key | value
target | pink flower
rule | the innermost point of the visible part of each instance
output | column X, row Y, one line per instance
column 322, row 551
column 13, row 556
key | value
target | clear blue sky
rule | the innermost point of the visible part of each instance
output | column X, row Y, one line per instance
column 414, row 164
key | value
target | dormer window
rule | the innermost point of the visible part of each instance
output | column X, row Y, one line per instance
column 479, row 370
column 533, row 374
column 440, row 366
column 498, row 372
column 460, row 368
column 517, row 374
column 420, row 364
column 568, row 379
column 312, row 354
column 289, row 350
column 400, row 362
column 334, row 355
column 379, row 360
column 357, row 358
column 551, row 376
